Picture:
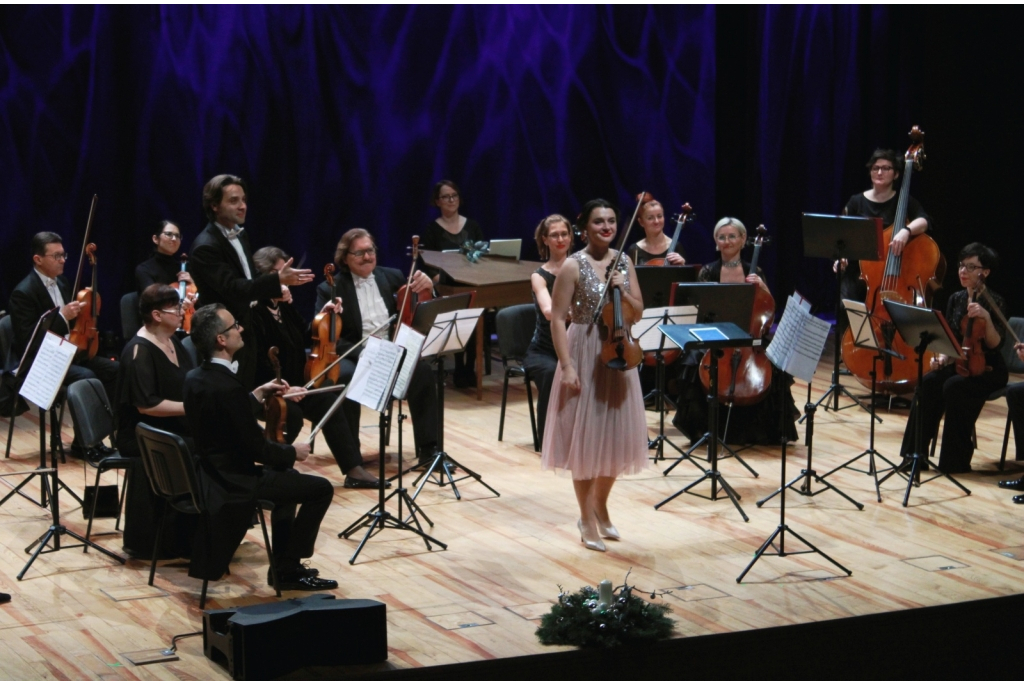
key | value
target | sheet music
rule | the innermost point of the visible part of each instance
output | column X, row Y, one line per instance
column 646, row 333
column 799, row 340
column 451, row 330
column 863, row 335
column 412, row 340
column 48, row 370
column 375, row 374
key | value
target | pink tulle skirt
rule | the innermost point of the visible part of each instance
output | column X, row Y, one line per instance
column 602, row 429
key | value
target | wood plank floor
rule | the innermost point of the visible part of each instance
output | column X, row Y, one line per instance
column 74, row 615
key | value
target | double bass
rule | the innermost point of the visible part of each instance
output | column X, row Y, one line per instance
column 908, row 278
column 745, row 374
column 326, row 329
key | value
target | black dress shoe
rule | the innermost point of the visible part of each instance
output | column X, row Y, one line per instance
column 1018, row 499
column 351, row 482
column 307, row 584
column 4, row 597
column 299, row 571
column 1012, row 484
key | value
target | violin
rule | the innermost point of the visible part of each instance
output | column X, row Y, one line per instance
column 685, row 215
column 326, row 329
column 276, row 407
column 973, row 343
column 85, row 335
column 909, row 278
column 408, row 299
column 619, row 350
column 747, row 371
column 186, row 295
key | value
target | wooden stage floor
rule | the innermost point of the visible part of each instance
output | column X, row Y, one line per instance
column 74, row 615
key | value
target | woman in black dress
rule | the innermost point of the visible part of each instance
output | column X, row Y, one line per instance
column 449, row 232
column 757, row 424
column 654, row 244
column 554, row 239
column 165, row 265
column 943, row 390
column 150, row 382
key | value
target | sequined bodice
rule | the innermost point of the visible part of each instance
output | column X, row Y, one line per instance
column 588, row 290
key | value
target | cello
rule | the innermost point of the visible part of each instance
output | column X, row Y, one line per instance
column 407, row 299
column 326, row 329
column 907, row 278
column 685, row 215
column 85, row 335
column 747, row 372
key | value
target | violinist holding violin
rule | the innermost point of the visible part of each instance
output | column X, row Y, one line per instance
column 596, row 427
column 960, row 393
column 44, row 288
column 165, row 266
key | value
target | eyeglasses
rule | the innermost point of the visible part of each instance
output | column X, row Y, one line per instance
column 371, row 251
column 58, row 256
column 969, row 268
column 172, row 235
column 449, row 198
column 234, row 326
column 729, row 238
column 177, row 311
column 881, row 169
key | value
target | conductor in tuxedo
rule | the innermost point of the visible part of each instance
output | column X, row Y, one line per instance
column 238, row 465
column 222, row 268
column 44, row 288
column 368, row 293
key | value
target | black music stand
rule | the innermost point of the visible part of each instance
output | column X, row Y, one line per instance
column 696, row 336
column 657, row 283
column 783, row 528
column 647, row 332
column 864, row 336
column 926, row 329
column 837, row 238
column 27, row 360
column 443, row 340
column 716, row 303
column 379, row 518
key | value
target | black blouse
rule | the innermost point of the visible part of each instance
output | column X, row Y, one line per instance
column 436, row 238
column 712, row 273
column 145, row 379
column 160, row 268
column 289, row 335
column 542, row 343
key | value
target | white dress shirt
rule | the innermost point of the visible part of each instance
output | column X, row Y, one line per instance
column 232, row 237
column 371, row 304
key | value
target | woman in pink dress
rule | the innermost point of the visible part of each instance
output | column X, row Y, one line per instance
column 596, row 427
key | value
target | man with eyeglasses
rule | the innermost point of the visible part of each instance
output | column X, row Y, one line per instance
column 367, row 293
column 44, row 288
column 222, row 266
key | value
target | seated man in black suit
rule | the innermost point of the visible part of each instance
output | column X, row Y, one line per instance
column 367, row 293
column 1015, row 408
column 44, row 288
column 238, row 465
column 220, row 262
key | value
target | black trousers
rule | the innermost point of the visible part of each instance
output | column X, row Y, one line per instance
column 294, row 534
column 421, row 398
column 961, row 399
column 337, row 432
column 541, row 368
column 1015, row 404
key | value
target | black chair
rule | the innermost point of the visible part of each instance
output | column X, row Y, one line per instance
column 93, row 419
column 190, row 347
column 1015, row 365
column 515, row 327
column 172, row 475
column 131, row 320
column 11, row 404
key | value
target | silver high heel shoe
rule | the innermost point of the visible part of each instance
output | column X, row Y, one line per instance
column 608, row 531
column 590, row 544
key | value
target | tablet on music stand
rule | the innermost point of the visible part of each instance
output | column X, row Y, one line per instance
column 656, row 282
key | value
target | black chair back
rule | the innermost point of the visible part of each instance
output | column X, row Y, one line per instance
column 515, row 326
column 169, row 467
column 1013, row 362
column 190, row 347
column 6, row 340
column 90, row 411
column 131, row 320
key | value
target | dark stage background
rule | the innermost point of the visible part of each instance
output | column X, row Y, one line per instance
column 345, row 116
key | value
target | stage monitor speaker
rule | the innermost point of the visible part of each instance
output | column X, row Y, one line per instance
column 267, row 641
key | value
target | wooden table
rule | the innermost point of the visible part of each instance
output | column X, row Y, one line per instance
column 497, row 281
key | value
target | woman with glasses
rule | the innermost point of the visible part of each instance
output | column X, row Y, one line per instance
column 165, row 264
column 943, row 390
column 152, row 375
column 756, row 424
column 654, row 244
column 449, row 232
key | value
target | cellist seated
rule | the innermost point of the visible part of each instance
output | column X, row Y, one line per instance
column 952, row 391
column 44, row 288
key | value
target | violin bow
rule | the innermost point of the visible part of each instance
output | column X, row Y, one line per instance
column 81, row 258
column 618, row 257
column 366, row 337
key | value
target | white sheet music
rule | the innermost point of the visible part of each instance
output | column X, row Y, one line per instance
column 48, row 370
column 646, row 333
column 375, row 374
column 799, row 340
column 412, row 341
column 451, row 330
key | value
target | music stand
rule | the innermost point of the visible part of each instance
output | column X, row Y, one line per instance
column 714, row 337
column 925, row 329
column 657, row 283
column 447, row 324
column 379, row 518
column 24, row 367
column 864, row 337
column 717, row 303
column 837, row 238
column 647, row 332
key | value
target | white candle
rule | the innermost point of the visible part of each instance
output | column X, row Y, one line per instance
column 605, row 592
